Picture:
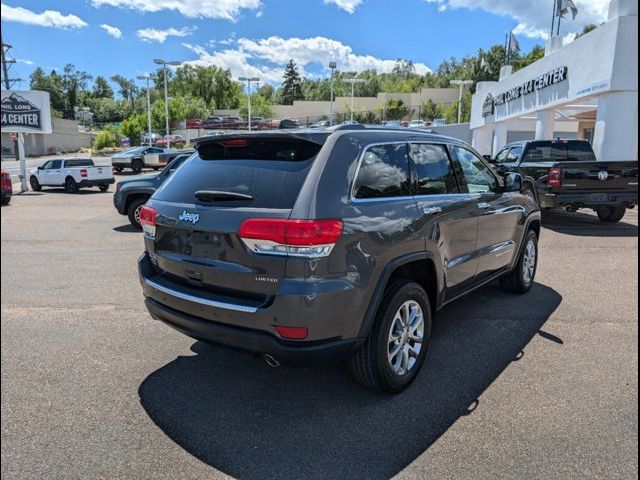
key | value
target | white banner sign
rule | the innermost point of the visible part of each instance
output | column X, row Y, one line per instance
column 26, row 112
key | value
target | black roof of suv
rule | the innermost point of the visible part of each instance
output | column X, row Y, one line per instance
column 313, row 244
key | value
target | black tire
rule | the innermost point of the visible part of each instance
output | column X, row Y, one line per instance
column 103, row 188
column 522, row 277
column 133, row 208
column 118, row 169
column 136, row 165
column 369, row 364
column 5, row 201
column 35, row 184
column 70, row 185
column 611, row 214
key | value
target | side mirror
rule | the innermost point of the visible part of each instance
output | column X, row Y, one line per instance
column 513, row 182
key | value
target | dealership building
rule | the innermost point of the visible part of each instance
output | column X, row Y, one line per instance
column 589, row 87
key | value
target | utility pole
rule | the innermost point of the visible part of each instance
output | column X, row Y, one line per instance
column 353, row 82
column 249, row 80
column 8, row 82
column 175, row 63
column 332, row 66
column 147, row 78
column 462, row 84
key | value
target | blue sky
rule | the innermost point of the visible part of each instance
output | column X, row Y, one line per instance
column 256, row 37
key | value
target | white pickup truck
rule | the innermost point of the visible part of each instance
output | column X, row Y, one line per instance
column 72, row 174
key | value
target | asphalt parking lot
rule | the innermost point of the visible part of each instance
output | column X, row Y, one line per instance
column 540, row 386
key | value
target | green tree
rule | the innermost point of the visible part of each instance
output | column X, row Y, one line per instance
column 431, row 110
column 260, row 107
column 536, row 53
column 128, row 88
column 75, row 83
column 133, row 127
column 180, row 108
column 395, row 109
column 291, row 89
column 101, row 88
column 212, row 84
column 53, row 84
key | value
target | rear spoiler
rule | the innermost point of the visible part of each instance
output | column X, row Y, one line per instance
column 317, row 136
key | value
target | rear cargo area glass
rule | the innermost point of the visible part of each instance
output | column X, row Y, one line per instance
column 271, row 170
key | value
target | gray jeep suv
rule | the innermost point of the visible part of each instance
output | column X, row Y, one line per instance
column 324, row 244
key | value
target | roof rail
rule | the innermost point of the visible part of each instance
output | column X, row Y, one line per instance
column 349, row 126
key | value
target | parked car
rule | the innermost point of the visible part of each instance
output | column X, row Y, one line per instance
column 214, row 133
column 160, row 160
column 193, row 123
column 6, row 187
column 212, row 121
column 330, row 244
column 288, row 123
column 133, row 158
column 392, row 123
column 568, row 175
column 416, row 124
column 171, row 141
column 72, row 174
column 132, row 193
column 320, row 124
column 438, row 122
column 149, row 140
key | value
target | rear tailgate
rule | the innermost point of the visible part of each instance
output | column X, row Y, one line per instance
column 98, row 173
column 600, row 176
column 196, row 243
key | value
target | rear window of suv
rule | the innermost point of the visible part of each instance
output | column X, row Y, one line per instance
column 271, row 170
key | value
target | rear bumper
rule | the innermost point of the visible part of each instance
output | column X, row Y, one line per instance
column 222, row 321
column 96, row 183
column 586, row 200
column 252, row 341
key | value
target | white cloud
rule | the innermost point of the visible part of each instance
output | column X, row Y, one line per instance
column 48, row 18
column 155, row 35
column 348, row 6
column 222, row 9
column 318, row 50
column 534, row 21
column 25, row 61
column 115, row 32
column 266, row 58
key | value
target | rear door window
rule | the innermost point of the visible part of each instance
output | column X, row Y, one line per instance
column 383, row 172
column 270, row 170
column 78, row 163
column 580, row 152
column 434, row 171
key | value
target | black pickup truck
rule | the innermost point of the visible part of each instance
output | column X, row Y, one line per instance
column 568, row 175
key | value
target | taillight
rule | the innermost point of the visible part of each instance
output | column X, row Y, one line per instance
column 84, row 173
column 554, row 178
column 148, row 220
column 292, row 333
column 297, row 238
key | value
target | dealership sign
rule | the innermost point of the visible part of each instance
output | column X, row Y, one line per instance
column 548, row 79
column 25, row 112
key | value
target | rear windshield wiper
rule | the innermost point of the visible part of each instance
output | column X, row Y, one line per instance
column 219, row 195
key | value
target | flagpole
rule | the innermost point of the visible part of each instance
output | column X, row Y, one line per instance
column 559, row 19
column 506, row 48
column 553, row 17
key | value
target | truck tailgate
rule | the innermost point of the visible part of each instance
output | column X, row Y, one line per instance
column 98, row 173
column 599, row 176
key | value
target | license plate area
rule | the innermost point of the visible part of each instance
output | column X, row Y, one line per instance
column 601, row 197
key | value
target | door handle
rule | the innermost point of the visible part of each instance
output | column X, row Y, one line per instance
column 484, row 205
column 432, row 210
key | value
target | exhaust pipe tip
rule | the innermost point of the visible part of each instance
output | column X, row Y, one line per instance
column 272, row 362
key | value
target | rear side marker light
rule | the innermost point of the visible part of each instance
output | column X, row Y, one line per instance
column 554, row 178
column 292, row 333
column 148, row 217
column 286, row 237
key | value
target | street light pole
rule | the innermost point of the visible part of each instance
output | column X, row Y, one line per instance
column 249, row 80
column 159, row 61
column 461, row 84
column 147, row 78
column 353, row 82
column 332, row 66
